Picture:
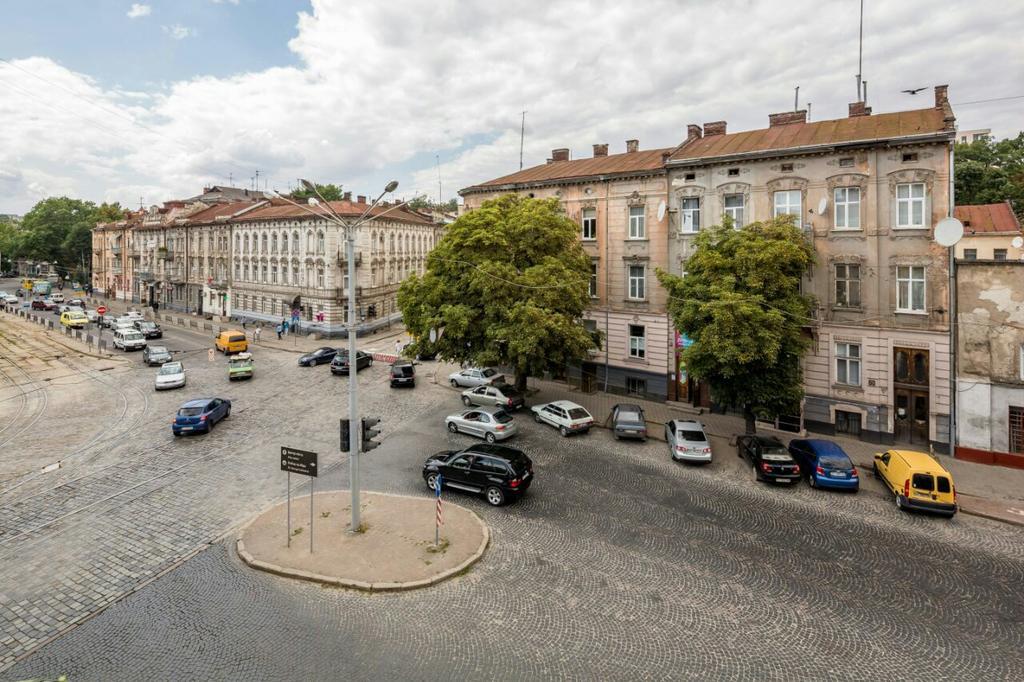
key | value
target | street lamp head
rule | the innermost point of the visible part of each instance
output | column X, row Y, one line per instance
column 307, row 185
column 271, row 193
column 312, row 201
column 391, row 186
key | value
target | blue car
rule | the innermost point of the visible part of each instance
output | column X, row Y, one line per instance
column 199, row 416
column 825, row 464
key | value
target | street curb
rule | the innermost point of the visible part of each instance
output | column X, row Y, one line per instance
column 335, row 581
column 993, row 517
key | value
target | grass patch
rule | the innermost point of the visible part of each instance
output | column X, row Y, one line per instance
column 441, row 548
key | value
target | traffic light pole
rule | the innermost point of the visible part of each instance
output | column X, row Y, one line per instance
column 355, row 436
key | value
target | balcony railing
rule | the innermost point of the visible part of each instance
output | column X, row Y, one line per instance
column 116, row 268
column 116, row 250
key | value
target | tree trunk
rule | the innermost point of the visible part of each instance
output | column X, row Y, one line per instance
column 521, row 378
column 750, row 421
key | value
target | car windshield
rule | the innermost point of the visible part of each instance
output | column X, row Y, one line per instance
column 834, row 462
column 190, row 411
column 578, row 413
column 172, row 368
column 132, row 336
column 239, row 362
column 774, row 450
column 488, row 372
column 502, row 417
column 157, row 350
column 693, row 435
column 628, row 416
column 147, row 325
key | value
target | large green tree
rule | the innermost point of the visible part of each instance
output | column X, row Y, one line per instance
column 59, row 229
column 328, row 192
column 988, row 172
column 740, row 303
column 508, row 285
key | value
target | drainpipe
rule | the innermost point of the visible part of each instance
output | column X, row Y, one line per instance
column 952, row 315
column 607, row 281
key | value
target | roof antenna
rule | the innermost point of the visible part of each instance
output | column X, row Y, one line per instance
column 808, row 111
column 437, row 160
column 522, row 136
column 796, row 99
column 860, row 52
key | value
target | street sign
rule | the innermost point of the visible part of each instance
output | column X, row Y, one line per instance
column 209, row 355
column 298, row 461
column 102, row 310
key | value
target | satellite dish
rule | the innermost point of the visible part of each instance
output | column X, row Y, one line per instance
column 822, row 205
column 949, row 231
column 1017, row 242
column 661, row 211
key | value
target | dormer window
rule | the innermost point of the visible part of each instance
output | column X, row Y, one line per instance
column 846, row 162
column 734, row 172
column 787, row 168
column 690, row 177
column 909, row 157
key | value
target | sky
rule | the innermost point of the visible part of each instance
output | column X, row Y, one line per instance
column 143, row 102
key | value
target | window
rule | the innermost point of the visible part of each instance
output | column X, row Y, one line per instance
column 734, row 208
column 637, row 282
column 847, row 422
column 848, row 364
column 909, row 157
column 589, row 223
column 637, row 218
column 690, row 177
column 734, row 172
column 637, row 341
column 636, row 386
column 1016, row 429
column 1021, row 363
column 910, row 205
column 788, row 203
column 593, row 280
column 846, row 162
column 910, row 289
column 320, row 278
column 273, row 274
column 847, row 285
column 691, row 214
column 999, row 254
column 970, row 254
column 847, row 202
column 787, row 168
column 320, row 243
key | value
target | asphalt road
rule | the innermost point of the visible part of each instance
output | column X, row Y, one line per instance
column 617, row 564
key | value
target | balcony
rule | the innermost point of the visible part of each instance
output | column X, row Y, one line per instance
column 116, row 250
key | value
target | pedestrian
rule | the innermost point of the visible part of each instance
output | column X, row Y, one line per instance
column 279, row 328
column 398, row 347
column 256, row 335
column 243, row 324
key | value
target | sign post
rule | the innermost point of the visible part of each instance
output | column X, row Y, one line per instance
column 299, row 462
column 437, row 515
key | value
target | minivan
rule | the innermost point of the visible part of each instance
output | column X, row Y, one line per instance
column 403, row 374
column 917, row 481
column 231, row 341
column 74, row 318
column 129, row 338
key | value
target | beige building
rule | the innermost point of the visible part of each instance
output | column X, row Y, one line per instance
column 618, row 201
column 868, row 191
column 991, row 232
column 112, row 266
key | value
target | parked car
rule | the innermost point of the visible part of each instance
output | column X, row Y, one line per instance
column 128, row 338
column 320, row 356
column 628, row 421
column 503, row 395
column 170, row 375
column 155, row 355
column 489, row 423
column 339, row 365
column 231, row 341
column 768, row 458
column 74, row 318
column 566, row 416
column 687, row 441
column 498, row 472
column 402, row 373
column 151, row 330
column 917, row 481
column 475, row 376
column 825, row 464
column 200, row 415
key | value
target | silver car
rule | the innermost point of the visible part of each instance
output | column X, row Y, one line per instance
column 489, row 423
column 687, row 441
column 500, row 395
column 170, row 375
column 475, row 376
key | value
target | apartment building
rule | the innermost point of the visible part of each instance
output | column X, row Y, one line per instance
column 991, row 232
column 618, row 201
column 112, row 265
column 867, row 190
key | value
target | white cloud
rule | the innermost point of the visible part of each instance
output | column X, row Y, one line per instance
column 139, row 10
column 179, row 32
column 386, row 93
column 225, row 2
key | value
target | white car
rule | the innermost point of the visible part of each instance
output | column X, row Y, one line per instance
column 566, row 416
column 687, row 441
column 134, row 315
column 129, row 338
column 57, row 297
column 170, row 375
column 472, row 377
column 91, row 314
column 123, row 322
column 11, row 300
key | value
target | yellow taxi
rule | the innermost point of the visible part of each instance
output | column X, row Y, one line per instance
column 231, row 341
column 917, row 481
column 74, row 318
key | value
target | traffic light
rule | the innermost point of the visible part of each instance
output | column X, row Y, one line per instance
column 369, row 433
column 346, row 435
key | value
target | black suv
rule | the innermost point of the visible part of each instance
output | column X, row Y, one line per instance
column 768, row 458
column 150, row 330
column 497, row 472
column 402, row 373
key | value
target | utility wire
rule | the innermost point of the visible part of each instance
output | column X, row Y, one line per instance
column 982, row 101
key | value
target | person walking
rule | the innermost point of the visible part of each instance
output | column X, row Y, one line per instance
column 256, row 333
column 398, row 347
column 279, row 328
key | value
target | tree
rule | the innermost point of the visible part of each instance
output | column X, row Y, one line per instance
column 740, row 303
column 507, row 284
column 422, row 203
column 991, row 172
column 59, row 229
column 328, row 192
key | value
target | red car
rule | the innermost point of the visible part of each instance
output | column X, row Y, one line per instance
column 43, row 305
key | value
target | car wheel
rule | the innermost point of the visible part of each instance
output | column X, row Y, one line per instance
column 899, row 501
column 874, row 469
column 432, row 481
column 466, row 401
column 564, row 431
column 494, row 496
column 536, row 418
column 489, row 437
column 453, row 427
column 810, row 481
column 228, row 413
column 455, row 384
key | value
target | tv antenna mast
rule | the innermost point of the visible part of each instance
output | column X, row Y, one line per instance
column 860, row 53
column 522, row 136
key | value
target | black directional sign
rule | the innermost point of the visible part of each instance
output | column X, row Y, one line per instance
column 298, row 461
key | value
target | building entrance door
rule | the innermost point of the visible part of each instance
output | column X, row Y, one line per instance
column 911, row 393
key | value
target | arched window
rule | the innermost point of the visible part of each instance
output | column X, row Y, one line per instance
column 320, row 243
column 309, row 241
column 246, row 243
column 273, row 243
column 407, row 248
column 238, row 243
column 284, row 243
column 320, row 278
column 263, row 243
column 381, row 249
column 391, row 250
column 295, row 242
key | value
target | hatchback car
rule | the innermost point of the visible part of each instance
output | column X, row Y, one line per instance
column 768, row 458
column 628, row 421
column 687, row 441
column 825, row 464
column 497, row 472
column 320, row 356
column 170, row 375
column 200, row 415
column 150, row 330
column 502, row 395
column 39, row 304
column 402, row 373
column 475, row 376
column 917, row 481
column 155, row 355
column 339, row 365
column 489, row 423
column 566, row 416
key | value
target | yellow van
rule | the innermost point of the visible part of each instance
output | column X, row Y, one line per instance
column 232, row 341
column 917, row 481
column 74, row 318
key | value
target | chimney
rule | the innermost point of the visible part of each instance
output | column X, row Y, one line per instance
column 360, row 199
column 347, row 196
column 714, row 128
column 787, row 117
column 600, row 150
column 560, row 154
column 693, row 132
column 632, row 146
column 941, row 96
column 859, row 109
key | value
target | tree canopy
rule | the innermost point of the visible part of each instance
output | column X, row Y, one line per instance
column 990, row 172
column 508, row 285
column 328, row 192
column 422, row 203
column 740, row 303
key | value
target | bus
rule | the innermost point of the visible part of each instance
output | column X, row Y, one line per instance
column 42, row 286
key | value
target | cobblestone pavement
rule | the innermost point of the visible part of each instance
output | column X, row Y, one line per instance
column 618, row 564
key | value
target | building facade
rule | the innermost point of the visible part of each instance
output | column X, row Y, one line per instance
column 867, row 190
column 991, row 232
column 112, row 265
column 618, row 201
